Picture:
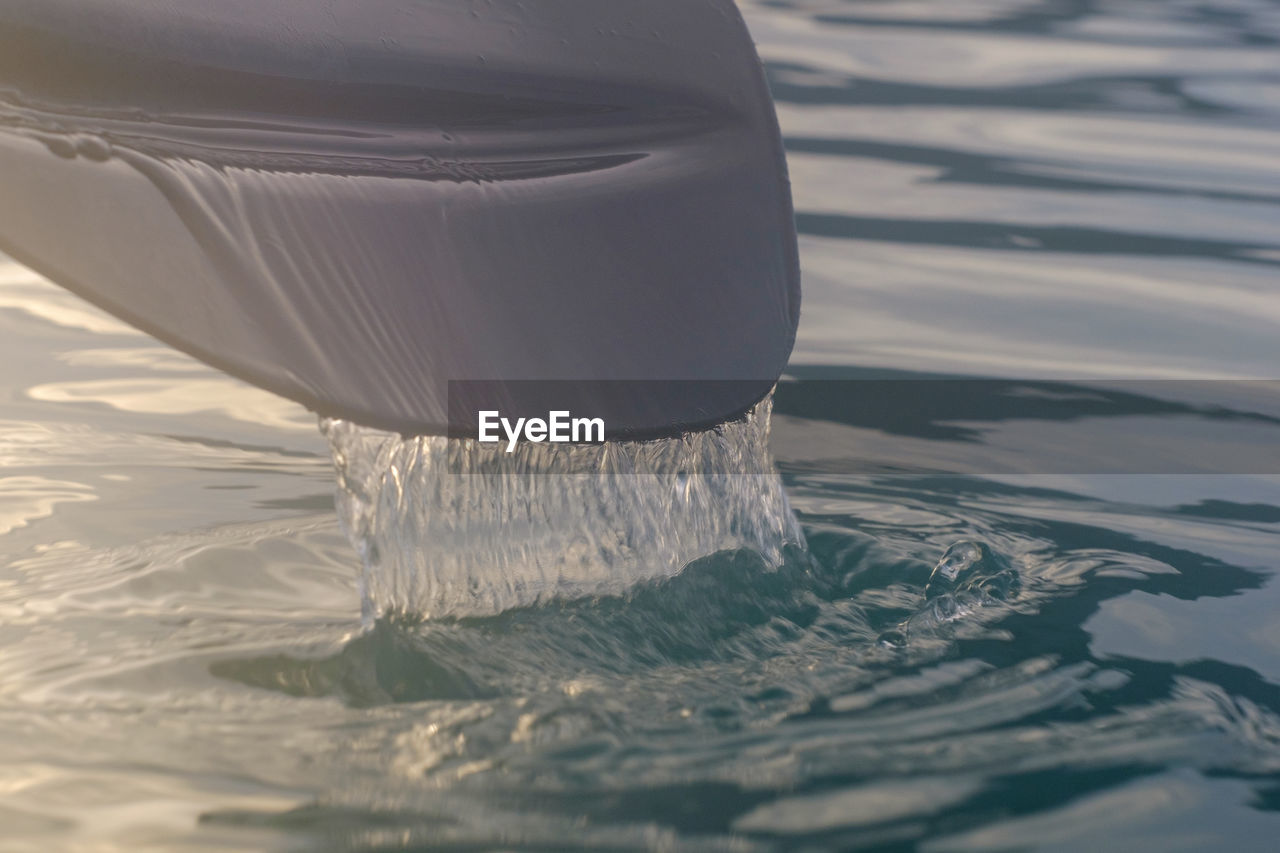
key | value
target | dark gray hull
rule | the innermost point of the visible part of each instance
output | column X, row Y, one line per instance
column 352, row 203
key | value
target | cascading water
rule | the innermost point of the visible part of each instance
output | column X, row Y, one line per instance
column 455, row 527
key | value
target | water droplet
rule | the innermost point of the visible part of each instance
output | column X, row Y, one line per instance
column 93, row 148
column 894, row 638
column 954, row 568
column 60, row 146
column 1001, row 586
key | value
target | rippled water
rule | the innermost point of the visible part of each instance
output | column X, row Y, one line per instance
column 1032, row 614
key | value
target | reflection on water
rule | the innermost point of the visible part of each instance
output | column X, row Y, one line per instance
column 187, row 396
column 24, row 499
column 1043, row 189
column 1032, row 614
column 24, row 291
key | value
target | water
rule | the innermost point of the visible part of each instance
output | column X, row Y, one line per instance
column 448, row 527
column 1031, row 614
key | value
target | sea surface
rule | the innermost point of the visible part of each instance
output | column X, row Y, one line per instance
column 1028, row 432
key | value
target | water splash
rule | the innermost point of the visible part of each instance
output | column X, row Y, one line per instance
column 453, row 527
column 970, row 576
